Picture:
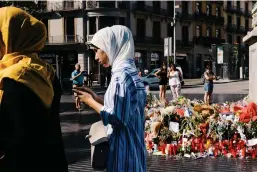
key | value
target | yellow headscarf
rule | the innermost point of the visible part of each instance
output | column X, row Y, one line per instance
column 21, row 37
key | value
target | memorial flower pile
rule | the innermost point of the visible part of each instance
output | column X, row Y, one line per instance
column 191, row 128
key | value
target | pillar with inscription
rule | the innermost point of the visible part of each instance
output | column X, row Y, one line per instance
column 251, row 40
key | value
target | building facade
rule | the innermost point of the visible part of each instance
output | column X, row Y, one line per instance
column 251, row 40
column 198, row 25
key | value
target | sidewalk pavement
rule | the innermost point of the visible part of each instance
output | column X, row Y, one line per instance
column 188, row 82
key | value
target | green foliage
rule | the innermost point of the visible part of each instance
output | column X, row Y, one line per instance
column 31, row 7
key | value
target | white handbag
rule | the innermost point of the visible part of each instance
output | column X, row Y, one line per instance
column 99, row 146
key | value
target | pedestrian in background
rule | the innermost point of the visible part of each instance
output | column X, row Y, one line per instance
column 174, row 81
column 163, row 81
column 124, row 101
column 78, row 81
column 30, row 92
column 208, row 84
column 91, row 78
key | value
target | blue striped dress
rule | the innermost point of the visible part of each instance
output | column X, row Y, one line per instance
column 124, row 104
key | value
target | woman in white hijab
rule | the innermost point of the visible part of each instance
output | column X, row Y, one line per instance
column 124, row 100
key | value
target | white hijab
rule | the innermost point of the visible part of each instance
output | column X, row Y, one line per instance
column 117, row 42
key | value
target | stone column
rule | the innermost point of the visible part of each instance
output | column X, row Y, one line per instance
column 214, row 58
column 97, row 28
column 82, row 61
column 97, row 23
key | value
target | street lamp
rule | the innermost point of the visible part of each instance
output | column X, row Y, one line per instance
column 173, row 24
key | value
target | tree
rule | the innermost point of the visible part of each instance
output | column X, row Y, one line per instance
column 31, row 7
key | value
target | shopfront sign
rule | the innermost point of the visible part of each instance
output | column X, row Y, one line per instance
column 154, row 56
column 167, row 46
column 220, row 55
column 48, row 57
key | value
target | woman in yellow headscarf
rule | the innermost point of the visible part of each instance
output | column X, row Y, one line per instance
column 30, row 132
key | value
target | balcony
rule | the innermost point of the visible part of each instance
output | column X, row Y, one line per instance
column 141, row 7
column 148, row 40
column 91, row 4
column 248, row 29
column 64, row 39
column 107, row 4
column 151, row 9
column 207, row 41
column 184, row 16
column 243, row 47
column 65, row 6
column 247, row 13
column 123, row 5
column 157, row 40
column 184, row 43
column 89, row 38
column 230, row 8
column 161, row 11
column 230, row 28
column 110, row 5
column 219, row 19
column 240, row 29
column 239, row 11
column 199, row 15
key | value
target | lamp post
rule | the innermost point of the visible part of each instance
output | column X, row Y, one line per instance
column 173, row 24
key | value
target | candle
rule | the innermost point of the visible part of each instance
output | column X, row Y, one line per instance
column 216, row 152
column 243, row 152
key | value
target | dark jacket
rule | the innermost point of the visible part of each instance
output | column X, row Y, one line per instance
column 30, row 133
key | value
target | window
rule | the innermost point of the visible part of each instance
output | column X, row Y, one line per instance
column 45, row 21
column 217, row 33
column 208, row 10
column 92, row 25
column 169, row 30
column 238, row 39
column 156, row 6
column 141, row 28
column 238, row 22
column 198, row 7
column 141, row 4
column 246, row 24
column 230, row 40
column 229, row 19
column 246, row 6
column 238, row 4
column 217, row 12
column 208, row 32
column 69, row 26
column 68, row 4
column 185, row 34
column 198, row 32
column 105, row 21
column 184, row 7
column 170, row 7
column 156, row 30
column 122, row 21
column 107, row 4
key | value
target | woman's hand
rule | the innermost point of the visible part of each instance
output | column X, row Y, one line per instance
column 88, row 90
column 88, row 99
column 99, row 99
column 84, row 96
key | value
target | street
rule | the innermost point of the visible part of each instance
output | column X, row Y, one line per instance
column 75, row 126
